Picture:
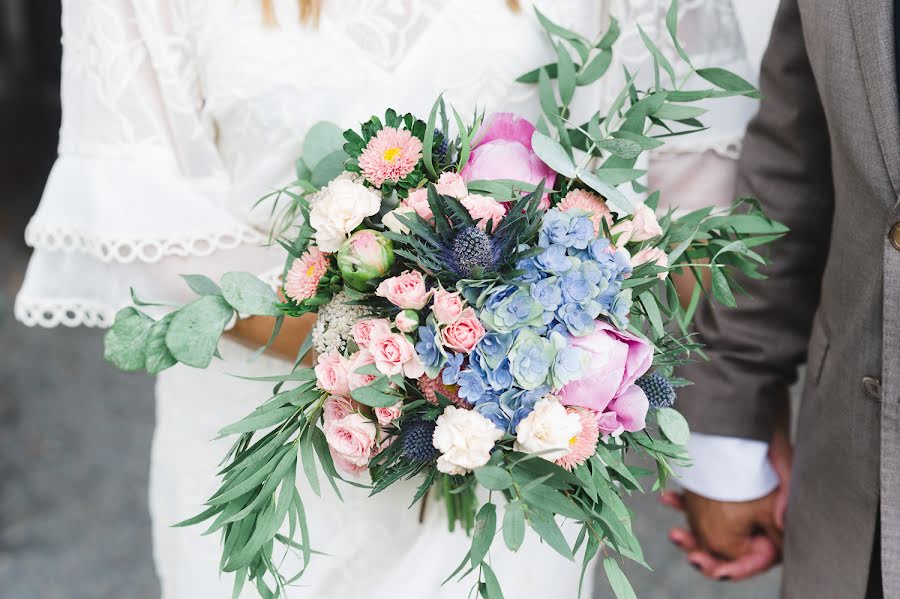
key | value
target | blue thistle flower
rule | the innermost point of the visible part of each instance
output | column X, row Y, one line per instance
column 417, row 441
column 658, row 389
column 473, row 249
column 440, row 150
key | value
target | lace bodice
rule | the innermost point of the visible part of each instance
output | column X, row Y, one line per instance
column 179, row 114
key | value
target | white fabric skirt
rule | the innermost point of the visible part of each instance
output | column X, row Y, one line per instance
column 376, row 547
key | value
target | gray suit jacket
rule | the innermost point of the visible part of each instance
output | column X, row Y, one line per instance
column 823, row 156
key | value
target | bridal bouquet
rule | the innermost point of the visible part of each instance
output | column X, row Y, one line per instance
column 495, row 319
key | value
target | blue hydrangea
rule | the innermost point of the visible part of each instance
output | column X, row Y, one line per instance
column 428, row 349
column 576, row 288
column 494, row 347
column 577, row 321
column 569, row 363
column 532, row 273
column 554, row 228
column 554, row 259
column 548, row 293
column 530, row 359
column 512, row 313
column 581, row 232
column 471, row 386
column 450, row 373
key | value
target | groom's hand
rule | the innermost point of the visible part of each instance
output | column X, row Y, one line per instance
column 728, row 540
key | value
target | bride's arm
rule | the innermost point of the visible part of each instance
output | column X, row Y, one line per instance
column 256, row 330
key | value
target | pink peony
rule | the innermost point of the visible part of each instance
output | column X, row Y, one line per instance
column 503, row 151
column 418, row 201
column 447, row 306
column 451, row 184
column 331, row 373
column 464, row 334
column 336, row 407
column 405, row 291
column 484, row 208
column 589, row 202
column 582, row 445
column 645, row 224
column 655, row 255
column 361, row 358
column 395, row 354
column 364, row 330
column 617, row 360
column 303, row 277
column 390, row 155
column 387, row 415
column 431, row 387
column 352, row 438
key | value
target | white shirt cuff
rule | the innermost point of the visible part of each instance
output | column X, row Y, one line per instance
column 728, row 468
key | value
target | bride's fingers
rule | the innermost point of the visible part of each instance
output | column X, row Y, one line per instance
column 673, row 500
column 760, row 556
column 683, row 539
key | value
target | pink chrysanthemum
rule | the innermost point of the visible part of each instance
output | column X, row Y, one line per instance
column 390, row 155
column 589, row 202
column 303, row 277
column 430, row 387
column 584, row 444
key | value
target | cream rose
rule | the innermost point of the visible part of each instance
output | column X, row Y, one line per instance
column 465, row 440
column 655, row 255
column 341, row 207
column 393, row 223
column 548, row 430
column 645, row 224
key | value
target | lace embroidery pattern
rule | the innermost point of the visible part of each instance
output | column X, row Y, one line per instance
column 108, row 248
column 73, row 312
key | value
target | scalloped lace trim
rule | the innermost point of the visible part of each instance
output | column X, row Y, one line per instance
column 108, row 248
column 63, row 312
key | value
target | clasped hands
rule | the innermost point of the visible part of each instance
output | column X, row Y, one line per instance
column 736, row 540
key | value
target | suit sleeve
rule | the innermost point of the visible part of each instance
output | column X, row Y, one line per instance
column 755, row 349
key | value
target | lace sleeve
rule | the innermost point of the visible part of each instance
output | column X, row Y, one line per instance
column 138, row 189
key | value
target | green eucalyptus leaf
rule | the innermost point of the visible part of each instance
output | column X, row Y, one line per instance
column 720, row 288
column 328, row 168
column 618, row 176
column 595, row 69
column 612, row 34
column 657, row 54
column 483, row 535
column 553, row 154
column 617, row 580
column 673, row 426
column 677, row 112
column 547, row 528
column 617, row 201
column 249, row 295
column 158, row 355
column 202, row 285
column 547, row 97
column 728, row 81
column 672, row 26
column 195, row 330
column 374, row 398
column 321, row 139
column 622, row 148
column 126, row 341
column 494, row 478
column 491, row 584
column 566, row 75
column 514, row 525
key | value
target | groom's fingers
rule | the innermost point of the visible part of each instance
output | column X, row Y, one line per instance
column 683, row 539
column 673, row 500
column 705, row 563
column 760, row 556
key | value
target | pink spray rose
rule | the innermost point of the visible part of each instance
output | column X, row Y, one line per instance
column 451, row 184
column 395, row 354
column 418, row 201
column 387, row 415
column 352, row 438
column 364, row 330
column 405, row 291
column 617, row 360
column 503, row 151
column 654, row 255
column 645, row 224
column 336, row 407
column 407, row 321
column 361, row 358
column 331, row 373
column 447, row 306
column 464, row 334
column 484, row 208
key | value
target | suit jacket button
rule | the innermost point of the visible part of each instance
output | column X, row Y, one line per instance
column 872, row 387
column 895, row 236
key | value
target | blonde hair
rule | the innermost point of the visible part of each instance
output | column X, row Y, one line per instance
column 311, row 9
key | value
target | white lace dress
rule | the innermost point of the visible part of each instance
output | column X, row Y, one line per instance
column 178, row 115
